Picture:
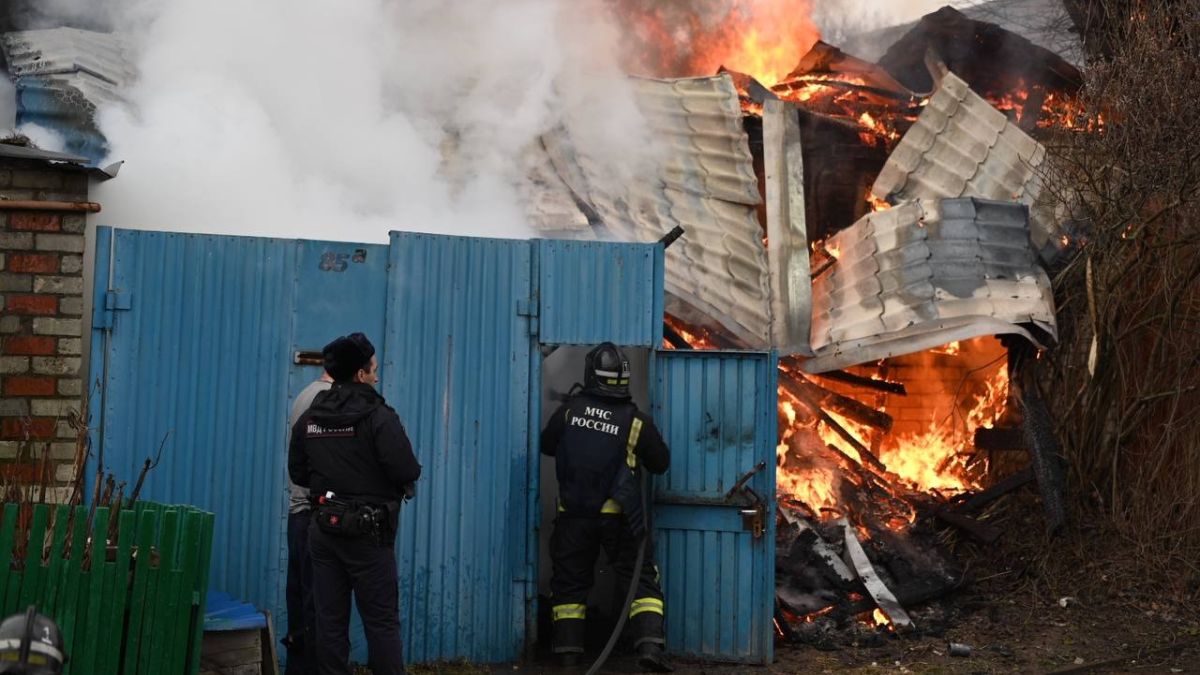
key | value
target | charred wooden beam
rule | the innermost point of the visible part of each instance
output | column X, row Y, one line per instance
column 981, row 499
column 850, row 408
column 803, row 81
column 825, row 266
column 980, row 531
column 674, row 338
column 867, row 458
column 865, row 382
column 912, row 593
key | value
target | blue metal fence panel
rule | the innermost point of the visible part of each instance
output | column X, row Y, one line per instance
column 196, row 361
column 341, row 288
column 717, row 414
column 595, row 291
column 458, row 346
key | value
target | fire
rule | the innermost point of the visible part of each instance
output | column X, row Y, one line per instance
column 951, row 349
column 1057, row 110
column 967, row 388
column 934, row 459
column 876, row 203
column 697, row 338
column 761, row 38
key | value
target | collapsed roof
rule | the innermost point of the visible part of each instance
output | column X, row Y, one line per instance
column 953, row 260
column 62, row 75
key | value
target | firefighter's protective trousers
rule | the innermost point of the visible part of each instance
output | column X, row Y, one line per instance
column 574, row 546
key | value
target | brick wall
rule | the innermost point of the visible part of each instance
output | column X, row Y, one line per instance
column 41, row 307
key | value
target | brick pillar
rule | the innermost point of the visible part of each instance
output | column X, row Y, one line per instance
column 41, row 307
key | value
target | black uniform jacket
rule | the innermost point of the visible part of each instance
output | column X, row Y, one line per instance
column 650, row 449
column 352, row 443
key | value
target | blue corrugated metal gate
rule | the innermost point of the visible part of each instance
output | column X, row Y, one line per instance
column 717, row 414
column 458, row 342
column 199, row 336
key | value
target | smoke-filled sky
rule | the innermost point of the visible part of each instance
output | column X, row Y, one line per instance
column 343, row 120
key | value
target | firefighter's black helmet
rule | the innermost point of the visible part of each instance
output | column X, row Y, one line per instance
column 30, row 644
column 606, row 371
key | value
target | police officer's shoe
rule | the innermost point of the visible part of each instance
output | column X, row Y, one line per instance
column 652, row 659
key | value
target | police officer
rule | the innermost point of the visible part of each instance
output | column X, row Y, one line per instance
column 599, row 440
column 351, row 450
column 301, row 616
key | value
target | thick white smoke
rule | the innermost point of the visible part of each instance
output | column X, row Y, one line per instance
column 343, row 120
column 842, row 19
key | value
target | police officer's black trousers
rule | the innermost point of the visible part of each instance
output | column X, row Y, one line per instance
column 358, row 564
column 574, row 546
column 301, row 616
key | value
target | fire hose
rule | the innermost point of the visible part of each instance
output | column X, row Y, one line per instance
column 633, row 581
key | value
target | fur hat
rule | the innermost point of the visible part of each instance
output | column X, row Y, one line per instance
column 347, row 355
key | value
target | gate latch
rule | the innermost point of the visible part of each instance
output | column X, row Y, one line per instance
column 753, row 509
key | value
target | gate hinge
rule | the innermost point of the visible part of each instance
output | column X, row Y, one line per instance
column 529, row 308
column 114, row 301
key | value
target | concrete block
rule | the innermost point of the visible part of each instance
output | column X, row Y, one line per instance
column 71, row 306
column 70, row 387
column 16, row 241
column 60, row 285
column 53, row 407
column 17, row 282
column 64, row 473
column 52, row 326
column 14, row 364
column 62, row 451
column 63, row 429
column 71, row 264
column 74, row 224
column 70, row 243
column 70, row 346
column 56, row 365
column 14, row 407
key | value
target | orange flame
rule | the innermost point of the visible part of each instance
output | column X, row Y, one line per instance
column 761, row 38
column 933, row 459
column 697, row 338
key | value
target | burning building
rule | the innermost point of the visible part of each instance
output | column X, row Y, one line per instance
column 885, row 227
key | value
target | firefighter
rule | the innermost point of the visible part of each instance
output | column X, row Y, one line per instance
column 31, row 644
column 600, row 442
column 350, row 449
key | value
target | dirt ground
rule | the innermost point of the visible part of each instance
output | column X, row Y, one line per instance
column 1083, row 602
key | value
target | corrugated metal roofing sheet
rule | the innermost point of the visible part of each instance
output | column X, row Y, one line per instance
column 927, row 273
column 961, row 146
column 707, row 184
column 62, row 75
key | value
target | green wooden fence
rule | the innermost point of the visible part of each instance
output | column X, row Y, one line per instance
column 134, row 606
